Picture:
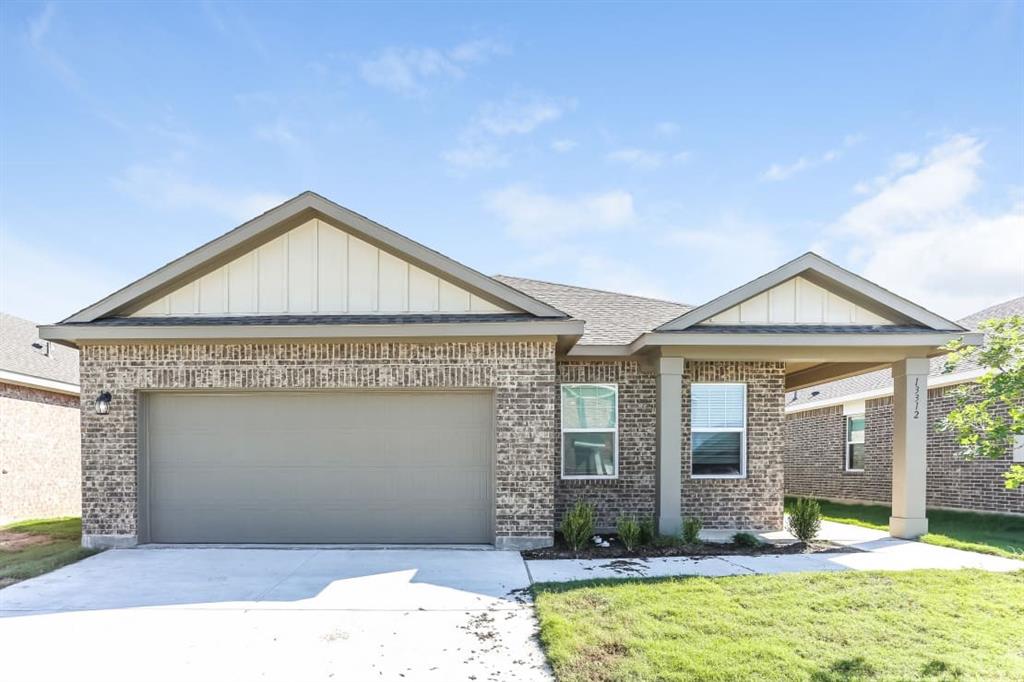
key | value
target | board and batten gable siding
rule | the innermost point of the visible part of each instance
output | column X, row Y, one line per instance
column 317, row 268
column 798, row 301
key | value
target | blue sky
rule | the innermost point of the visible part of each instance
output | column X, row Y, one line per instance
column 673, row 150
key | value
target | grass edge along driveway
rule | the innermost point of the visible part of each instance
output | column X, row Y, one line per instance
column 31, row 548
column 998, row 534
column 924, row 624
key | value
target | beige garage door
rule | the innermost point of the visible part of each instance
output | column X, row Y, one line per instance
column 388, row 467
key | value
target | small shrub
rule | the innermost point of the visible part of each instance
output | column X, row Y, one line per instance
column 805, row 519
column 646, row 531
column 691, row 530
column 629, row 531
column 578, row 525
column 746, row 540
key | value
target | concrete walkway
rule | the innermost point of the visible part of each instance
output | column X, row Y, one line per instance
column 275, row 614
column 879, row 552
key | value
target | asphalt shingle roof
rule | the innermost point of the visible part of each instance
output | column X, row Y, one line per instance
column 882, row 379
column 611, row 318
column 18, row 354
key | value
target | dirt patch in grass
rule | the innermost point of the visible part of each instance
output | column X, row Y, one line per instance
column 12, row 542
column 31, row 548
column 617, row 550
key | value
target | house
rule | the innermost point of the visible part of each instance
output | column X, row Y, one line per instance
column 312, row 376
column 839, row 439
column 40, row 455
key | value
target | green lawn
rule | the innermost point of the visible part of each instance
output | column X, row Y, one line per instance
column 934, row 625
column 29, row 560
column 988, row 533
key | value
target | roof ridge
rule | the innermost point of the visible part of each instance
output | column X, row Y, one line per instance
column 602, row 291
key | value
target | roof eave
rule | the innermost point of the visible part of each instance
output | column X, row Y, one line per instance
column 568, row 331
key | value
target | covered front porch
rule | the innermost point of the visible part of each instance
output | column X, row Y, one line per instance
column 809, row 359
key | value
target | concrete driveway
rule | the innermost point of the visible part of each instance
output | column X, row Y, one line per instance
column 275, row 614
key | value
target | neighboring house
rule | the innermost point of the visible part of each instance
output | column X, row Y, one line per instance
column 839, row 439
column 312, row 376
column 40, row 444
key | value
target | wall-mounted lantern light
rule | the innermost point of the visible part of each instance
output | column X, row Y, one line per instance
column 103, row 402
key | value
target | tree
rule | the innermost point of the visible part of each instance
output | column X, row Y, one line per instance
column 990, row 413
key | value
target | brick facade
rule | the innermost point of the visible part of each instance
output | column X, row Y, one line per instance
column 815, row 442
column 632, row 493
column 754, row 502
column 530, row 496
column 521, row 374
column 40, row 460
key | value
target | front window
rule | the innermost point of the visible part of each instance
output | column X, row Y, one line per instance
column 590, row 435
column 855, row 442
column 718, row 414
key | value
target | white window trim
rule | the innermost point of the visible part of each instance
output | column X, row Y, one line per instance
column 615, row 439
column 731, row 429
column 846, row 439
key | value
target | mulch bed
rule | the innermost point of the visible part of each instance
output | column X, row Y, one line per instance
column 618, row 550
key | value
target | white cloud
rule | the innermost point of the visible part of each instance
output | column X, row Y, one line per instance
column 44, row 285
column 778, row 172
column 476, row 50
column 518, row 116
column 39, row 25
column 898, row 165
column 470, row 156
column 167, row 188
column 948, row 175
column 477, row 147
column 637, row 158
column 407, row 70
column 954, row 268
column 645, row 159
column 536, row 216
column 563, row 145
column 919, row 235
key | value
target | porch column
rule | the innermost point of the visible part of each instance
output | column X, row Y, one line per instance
column 909, row 448
column 669, row 469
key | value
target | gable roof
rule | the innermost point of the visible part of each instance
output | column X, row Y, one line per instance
column 611, row 318
column 20, row 356
column 828, row 275
column 285, row 216
column 881, row 380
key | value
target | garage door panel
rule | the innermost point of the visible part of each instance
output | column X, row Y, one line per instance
column 326, row 467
